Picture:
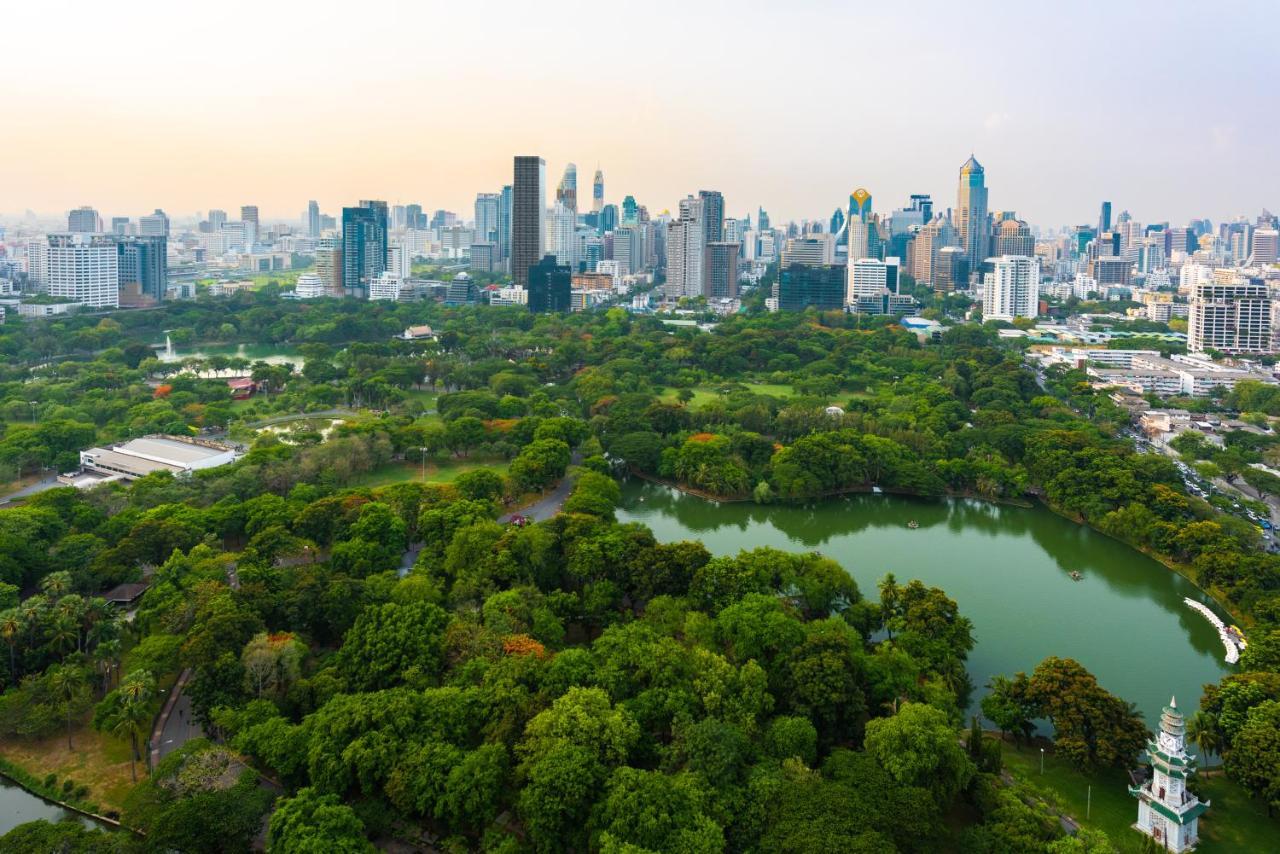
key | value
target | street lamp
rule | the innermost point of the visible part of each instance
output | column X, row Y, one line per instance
column 424, row 463
column 1042, row 760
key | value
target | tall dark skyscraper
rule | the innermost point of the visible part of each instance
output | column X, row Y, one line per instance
column 413, row 217
column 1104, row 218
column 550, row 286
column 144, row 268
column 821, row 286
column 762, row 219
column 608, row 218
column 313, row 218
column 720, row 279
column 712, row 215
column 528, row 214
column 364, row 245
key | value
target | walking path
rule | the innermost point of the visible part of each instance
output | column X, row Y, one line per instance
column 174, row 726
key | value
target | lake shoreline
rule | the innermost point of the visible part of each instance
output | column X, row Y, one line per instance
column 1239, row 618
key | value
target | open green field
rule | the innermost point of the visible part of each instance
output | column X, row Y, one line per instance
column 1234, row 823
column 438, row 471
column 704, row 393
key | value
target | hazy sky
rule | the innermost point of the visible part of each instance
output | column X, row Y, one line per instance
column 1169, row 109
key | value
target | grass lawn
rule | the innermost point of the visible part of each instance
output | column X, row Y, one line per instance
column 1234, row 821
column 438, row 471
column 98, row 761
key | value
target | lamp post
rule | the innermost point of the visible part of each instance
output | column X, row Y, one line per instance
column 34, row 404
column 1042, row 760
column 424, row 464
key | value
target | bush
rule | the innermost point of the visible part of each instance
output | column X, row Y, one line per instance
column 51, row 781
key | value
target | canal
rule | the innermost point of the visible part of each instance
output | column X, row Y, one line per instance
column 18, row 806
column 1009, row 568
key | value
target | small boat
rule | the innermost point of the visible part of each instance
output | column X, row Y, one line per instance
column 913, row 524
column 1076, row 576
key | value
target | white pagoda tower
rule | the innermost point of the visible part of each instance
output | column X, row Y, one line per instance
column 1167, row 812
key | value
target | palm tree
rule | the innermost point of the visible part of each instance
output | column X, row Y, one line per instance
column 1203, row 730
column 889, row 592
column 134, row 712
column 65, row 635
column 10, row 628
column 67, row 684
column 56, row 584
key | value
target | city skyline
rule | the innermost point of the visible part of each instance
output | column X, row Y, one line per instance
column 1056, row 131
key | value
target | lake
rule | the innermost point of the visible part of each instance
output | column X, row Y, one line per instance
column 18, row 806
column 272, row 354
column 1007, row 567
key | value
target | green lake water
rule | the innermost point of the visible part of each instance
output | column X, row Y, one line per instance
column 1007, row 567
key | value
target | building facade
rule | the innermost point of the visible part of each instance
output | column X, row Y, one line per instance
column 822, row 287
column 1012, row 288
column 528, row 214
column 364, row 245
column 84, row 268
column 1168, row 811
column 1230, row 317
column 550, row 287
column 971, row 212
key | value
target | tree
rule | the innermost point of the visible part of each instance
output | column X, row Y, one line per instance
column 1254, row 758
column 463, row 434
column 272, row 662
column 70, row 686
column 1093, row 728
column 393, row 643
column 479, row 485
column 657, row 812
column 126, row 711
column 315, row 823
column 1202, row 731
column 1009, row 707
column 918, row 747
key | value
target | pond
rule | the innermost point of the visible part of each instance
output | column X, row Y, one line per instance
column 18, row 806
column 1009, row 568
column 272, row 354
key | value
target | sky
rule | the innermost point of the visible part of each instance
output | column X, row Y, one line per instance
column 1168, row 109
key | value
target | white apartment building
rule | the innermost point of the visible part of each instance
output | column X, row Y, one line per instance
column 399, row 261
column 1230, row 317
column 871, row 277
column 509, row 296
column 1012, row 289
column 1192, row 275
column 811, row 251
column 38, row 262
column 84, row 268
column 684, row 251
column 310, row 286
column 385, row 286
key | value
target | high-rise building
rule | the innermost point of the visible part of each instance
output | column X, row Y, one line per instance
column 154, row 225
column 567, row 189
column 871, row 277
column 1012, row 288
column 216, row 219
column 84, row 220
column 822, row 287
column 235, row 236
column 686, row 240
column 608, row 218
column 762, row 220
column 249, row 216
column 310, row 286
column 504, row 223
column 597, row 192
column 971, row 212
column 313, row 218
column 720, row 279
column 550, row 286
column 1104, row 217
column 143, row 266
column 1013, row 237
column 563, row 231
column 487, row 208
column 385, row 286
column 364, row 245
column 712, row 215
column 923, row 203
column 1266, row 246
column 120, row 225
column 413, row 217
column 837, row 221
column 38, row 263
column 950, row 269
column 84, row 268
column 929, row 241
column 1230, row 317
column 630, row 210
column 812, row 251
column 399, row 260
column 329, row 265
column 528, row 213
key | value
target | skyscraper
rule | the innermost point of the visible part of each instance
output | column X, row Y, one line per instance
column 216, row 219
column 84, row 268
column 119, row 225
column 567, row 190
column 486, row 209
column 1104, row 218
column 313, row 218
column 143, row 268
column 563, row 242
column 413, row 217
column 1232, row 317
column 929, row 241
column 528, row 213
column 84, row 220
column 249, row 216
column 1012, row 288
column 712, row 215
column 1013, row 237
column 720, row 279
column 822, row 287
column 504, row 224
column 154, row 225
column 685, row 244
column 762, row 220
column 971, row 212
column 597, row 192
column 630, row 211
column 923, row 203
column 550, row 286
column 364, row 245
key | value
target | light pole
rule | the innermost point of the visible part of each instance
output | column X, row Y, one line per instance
column 1042, row 760
column 34, row 404
column 424, row 464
